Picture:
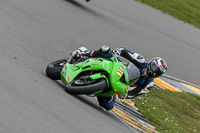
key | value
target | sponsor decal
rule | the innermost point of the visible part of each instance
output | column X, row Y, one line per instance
column 121, row 70
column 69, row 77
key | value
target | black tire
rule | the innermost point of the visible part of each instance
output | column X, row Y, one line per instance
column 54, row 69
column 74, row 89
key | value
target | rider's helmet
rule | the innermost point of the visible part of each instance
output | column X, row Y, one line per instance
column 156, row 67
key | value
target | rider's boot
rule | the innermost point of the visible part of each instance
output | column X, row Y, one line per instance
column 106, row 103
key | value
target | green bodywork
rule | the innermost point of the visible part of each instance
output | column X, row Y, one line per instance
column 114, row 69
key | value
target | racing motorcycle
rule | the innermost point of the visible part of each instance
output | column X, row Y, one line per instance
column 100, row 77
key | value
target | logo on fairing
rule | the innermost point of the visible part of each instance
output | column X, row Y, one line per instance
column 121, row 70
column 69, row 77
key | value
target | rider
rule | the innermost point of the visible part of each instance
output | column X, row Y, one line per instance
column 148, row 70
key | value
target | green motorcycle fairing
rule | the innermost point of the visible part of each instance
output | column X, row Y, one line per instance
column 114, row 69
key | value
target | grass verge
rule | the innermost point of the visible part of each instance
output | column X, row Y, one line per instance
column 169, row 111
column 185, row 10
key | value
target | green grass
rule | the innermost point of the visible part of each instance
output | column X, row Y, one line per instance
column 169, row 111
column 185, row 10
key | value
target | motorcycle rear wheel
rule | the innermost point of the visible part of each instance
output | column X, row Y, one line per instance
column 77, row 87
column 53, row 70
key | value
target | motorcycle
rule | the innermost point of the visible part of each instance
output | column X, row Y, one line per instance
column 95, row 77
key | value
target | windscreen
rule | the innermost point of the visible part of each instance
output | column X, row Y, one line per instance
column 133, row 73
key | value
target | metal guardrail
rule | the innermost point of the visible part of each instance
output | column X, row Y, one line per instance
column 135, row 130
column 132, row 118
column 130, row 110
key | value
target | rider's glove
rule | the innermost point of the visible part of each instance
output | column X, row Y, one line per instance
column 77, row 53
column 116, row 52
column 80, row 52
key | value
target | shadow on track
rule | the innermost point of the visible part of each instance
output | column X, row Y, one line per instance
column 85, row 100
column 88, row 10
column 88, row 102
column 80, row 98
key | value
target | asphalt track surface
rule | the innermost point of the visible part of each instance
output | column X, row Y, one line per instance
column 34, row 33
